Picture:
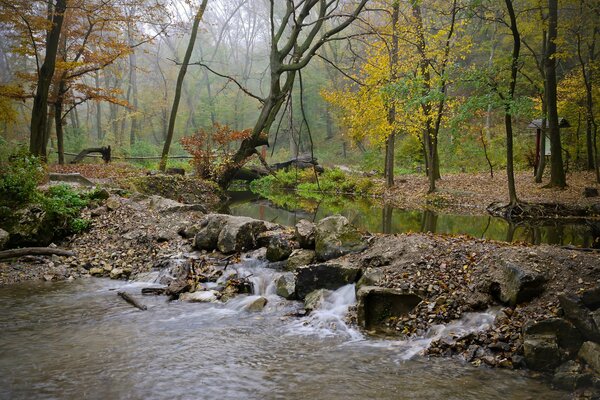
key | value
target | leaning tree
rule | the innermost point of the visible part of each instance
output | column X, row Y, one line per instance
column 296, row 34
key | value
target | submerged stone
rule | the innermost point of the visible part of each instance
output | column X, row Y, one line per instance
column 257, row 304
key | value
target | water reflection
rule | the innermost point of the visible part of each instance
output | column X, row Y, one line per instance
column 289, row 208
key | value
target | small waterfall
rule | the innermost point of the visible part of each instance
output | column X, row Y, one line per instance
column 329, row 318
column 469, row 323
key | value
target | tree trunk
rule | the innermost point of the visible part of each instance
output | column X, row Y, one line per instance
column 39, row 112
column 390, row 142
column 99, row 132
column 557, row 173
column 512, row 190
column 178, row 87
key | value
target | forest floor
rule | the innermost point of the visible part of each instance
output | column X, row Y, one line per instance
column 472, row 192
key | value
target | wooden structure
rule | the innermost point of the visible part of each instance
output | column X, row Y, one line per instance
column 537, row 125
column 104, row 151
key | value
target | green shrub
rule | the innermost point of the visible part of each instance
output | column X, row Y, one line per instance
column 63, row 205
column 20, row 173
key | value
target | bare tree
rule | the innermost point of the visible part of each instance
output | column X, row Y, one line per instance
column 295, row 39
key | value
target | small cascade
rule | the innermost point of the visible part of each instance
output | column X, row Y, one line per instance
column 329, row 318
column 469, row 323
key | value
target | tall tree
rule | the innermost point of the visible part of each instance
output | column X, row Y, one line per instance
column 39, row 111
column 557, row 172
column 508, row 102
column 179, row 84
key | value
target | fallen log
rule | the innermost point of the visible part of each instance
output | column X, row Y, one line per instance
column 34, row 251
column 104, row 151
column 154, row 291
column 127, row 297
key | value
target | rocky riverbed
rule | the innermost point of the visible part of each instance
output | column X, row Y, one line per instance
column 547, row 299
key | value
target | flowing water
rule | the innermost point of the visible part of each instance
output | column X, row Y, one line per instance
column 79, row 340
column 375, row 218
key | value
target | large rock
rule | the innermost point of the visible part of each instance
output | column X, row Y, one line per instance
column 209, row 229
column 517, row 285
column 330, row 275
column 31, row 226
column 370, row 277
column 376, row 305
column 168, row 206
column 239, row 234
column 567, row 336
column 569, row 376
column 286, row 286
column 590, row 353
column 541, row 352
column 334, row 237
column 591, row 298
column 3, row 238
column 305, row 234
column 279, row 248
column 300, row 258
column 576, row 312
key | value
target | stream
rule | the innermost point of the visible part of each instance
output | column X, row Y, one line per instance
column 361, row 212
column 79, row 340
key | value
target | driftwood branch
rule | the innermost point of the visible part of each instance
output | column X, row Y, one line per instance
column 127, row 297
column 34, row 251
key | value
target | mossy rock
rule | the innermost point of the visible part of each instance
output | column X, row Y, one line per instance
column 183, row 189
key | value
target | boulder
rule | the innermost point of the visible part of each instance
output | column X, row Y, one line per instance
column 305, row 234
column 31, row 226
column 3, row 238
column 569, row 376
column 315, row 299
column 209, row 229
column 239, row 234
column 576, row 312
column 517, row 285
column 334, row 237
column 591, row 298
column 168, row 206
column 590, row 353
column 299, row 258
column 279, row 249
column 541, row 352
column 188, row 232
column 370, row 277
column 286, row 286
column 376, row 305
column 567, row 336
column 203, row 296
column 329, row 275
column 257, row 304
